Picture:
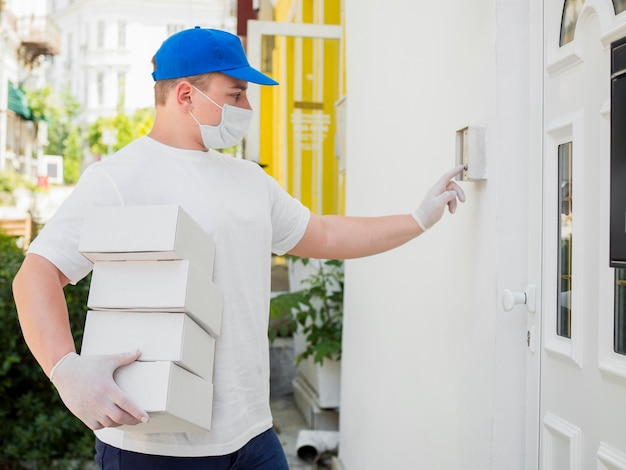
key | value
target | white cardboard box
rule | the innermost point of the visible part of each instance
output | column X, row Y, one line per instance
column 157, row 286
column 159, row 336
column 175, row 399
column 145, row 233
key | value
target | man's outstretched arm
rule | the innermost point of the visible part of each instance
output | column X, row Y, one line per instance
column 339, row 237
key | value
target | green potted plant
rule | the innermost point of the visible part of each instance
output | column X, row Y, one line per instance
column 313, row 312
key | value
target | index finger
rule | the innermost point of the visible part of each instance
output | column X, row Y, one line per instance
column 128, row 406
column 457, row 170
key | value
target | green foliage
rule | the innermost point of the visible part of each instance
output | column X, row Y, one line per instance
column 9, row 182
column 143, row 120
column 282, row 320
column 73, row 156
column 60, row 111
column 121, row 128
column 317, row 310
column 36, row 426
column 65, row 136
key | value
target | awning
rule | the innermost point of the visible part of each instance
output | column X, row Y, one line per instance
column 18, row 103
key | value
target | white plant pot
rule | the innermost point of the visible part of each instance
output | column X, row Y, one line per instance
column 325, row 379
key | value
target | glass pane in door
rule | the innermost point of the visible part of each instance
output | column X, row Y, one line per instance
column 571, row 10
column 619, row 6
column 620, row 312
column 564, row 285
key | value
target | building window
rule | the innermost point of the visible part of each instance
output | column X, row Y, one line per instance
column 100, row 88
column 571, row 10
column 564, row 289
column 69, row 56
column 232, row 8
column 100, row 33
column 121, row 89
column 267, row 49
column 174, row 28
column 121, row 34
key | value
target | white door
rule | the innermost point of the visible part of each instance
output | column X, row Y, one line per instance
column 582, row 398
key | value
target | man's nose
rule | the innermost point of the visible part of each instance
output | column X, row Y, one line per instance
column 246, row 104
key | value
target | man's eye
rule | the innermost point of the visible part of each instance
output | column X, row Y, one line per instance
column 237, row 96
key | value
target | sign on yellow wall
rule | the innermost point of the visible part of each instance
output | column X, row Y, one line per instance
column 300, row 150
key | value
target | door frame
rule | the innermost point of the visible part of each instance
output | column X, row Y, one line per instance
column 535, row 228
column 256, row 30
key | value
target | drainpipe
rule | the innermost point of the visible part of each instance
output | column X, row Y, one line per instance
column 312, row 444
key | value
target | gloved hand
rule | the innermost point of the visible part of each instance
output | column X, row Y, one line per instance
column 445, row 192
column 86, row 386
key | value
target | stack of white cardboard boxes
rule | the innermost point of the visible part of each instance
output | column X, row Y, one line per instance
column 152, row 290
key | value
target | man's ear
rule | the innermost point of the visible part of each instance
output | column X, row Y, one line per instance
column 182, row 94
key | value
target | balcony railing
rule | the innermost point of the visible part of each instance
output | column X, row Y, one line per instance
column 39, row 36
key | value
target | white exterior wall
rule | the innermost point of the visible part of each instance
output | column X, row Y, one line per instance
column 81, row 59
column 433, row 368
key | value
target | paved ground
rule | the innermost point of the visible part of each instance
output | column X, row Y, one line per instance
column 288, row 421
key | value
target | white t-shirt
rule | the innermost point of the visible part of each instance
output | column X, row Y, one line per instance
column 249, row 216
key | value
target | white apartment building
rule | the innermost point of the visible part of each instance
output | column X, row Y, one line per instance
column 107, row 46
column 26, row 35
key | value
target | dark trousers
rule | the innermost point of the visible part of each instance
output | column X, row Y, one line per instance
column 264, row 452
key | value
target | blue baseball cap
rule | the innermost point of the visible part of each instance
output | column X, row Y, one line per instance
column 201, row 50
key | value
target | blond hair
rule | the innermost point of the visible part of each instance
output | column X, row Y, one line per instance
column 162, row 88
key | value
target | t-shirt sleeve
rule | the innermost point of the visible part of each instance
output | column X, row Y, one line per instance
column 290, row 219
column 58, row 240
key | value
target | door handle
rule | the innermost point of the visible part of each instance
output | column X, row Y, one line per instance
column 510, row 299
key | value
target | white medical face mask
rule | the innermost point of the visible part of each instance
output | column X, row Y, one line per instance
column 234, row 125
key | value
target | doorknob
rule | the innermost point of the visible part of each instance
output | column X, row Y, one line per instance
column 510, row 299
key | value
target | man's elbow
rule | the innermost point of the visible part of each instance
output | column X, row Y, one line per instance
column 34, row 271
column 19, row 283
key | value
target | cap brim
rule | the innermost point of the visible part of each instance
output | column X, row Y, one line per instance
column 250, row 75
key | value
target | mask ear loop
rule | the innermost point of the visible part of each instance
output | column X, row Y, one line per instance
column 195, row 119
column 207, row 97
column 206, row 125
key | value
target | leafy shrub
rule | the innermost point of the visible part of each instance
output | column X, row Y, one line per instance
column 9, row 182
column 316, row 310
column 36, row 427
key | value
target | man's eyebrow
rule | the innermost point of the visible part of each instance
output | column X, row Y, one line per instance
column 240, row 86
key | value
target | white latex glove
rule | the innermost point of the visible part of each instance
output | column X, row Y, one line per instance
column 86, row 386
column 444, row 193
